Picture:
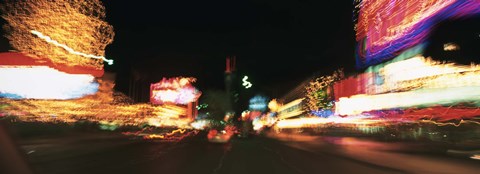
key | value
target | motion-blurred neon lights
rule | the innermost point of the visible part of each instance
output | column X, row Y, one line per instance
column 386, row 27
column 414, row 82
column 316, row 121
column 177, row 90
column 103, row 106
column 358, row 104
column 80, row 24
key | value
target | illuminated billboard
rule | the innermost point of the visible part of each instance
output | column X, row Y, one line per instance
column 177, row 90
column 385, row 28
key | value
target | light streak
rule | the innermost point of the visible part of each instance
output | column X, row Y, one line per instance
column 450, row 123
column 173, row 136
column 315, row 121
column 166, row 135
column 70, row 50
column 440, row 114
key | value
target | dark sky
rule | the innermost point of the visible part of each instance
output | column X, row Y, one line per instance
column 278, row 43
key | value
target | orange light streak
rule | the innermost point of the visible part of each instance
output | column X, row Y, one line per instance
column 450, row 123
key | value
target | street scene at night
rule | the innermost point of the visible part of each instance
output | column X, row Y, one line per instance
column 242, row 86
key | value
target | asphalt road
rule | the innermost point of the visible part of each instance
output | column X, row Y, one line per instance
column 276, row 153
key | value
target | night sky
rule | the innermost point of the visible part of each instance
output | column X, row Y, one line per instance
column 278, row 43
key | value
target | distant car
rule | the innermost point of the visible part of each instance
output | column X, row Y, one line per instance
column 222, row 136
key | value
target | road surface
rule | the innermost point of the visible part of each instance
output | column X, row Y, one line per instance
column 275, row 153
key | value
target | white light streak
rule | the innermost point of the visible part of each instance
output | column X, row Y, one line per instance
column 70, row 50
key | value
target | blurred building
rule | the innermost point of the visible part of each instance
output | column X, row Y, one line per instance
column 138, row 86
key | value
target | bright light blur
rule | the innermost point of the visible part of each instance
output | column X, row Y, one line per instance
column 178, row 90
column 43, row 82
column 200, row 124
column 101, row 106
column 257, row 124
column 451, row 47
column 266, row 120
column 273, row 105
column 415, row 82
column 172, row 136
column 419, row 72
column 361, row 103
column 166, row 95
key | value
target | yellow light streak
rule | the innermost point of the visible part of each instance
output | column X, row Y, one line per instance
column 450, row 123
column 316, row 121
